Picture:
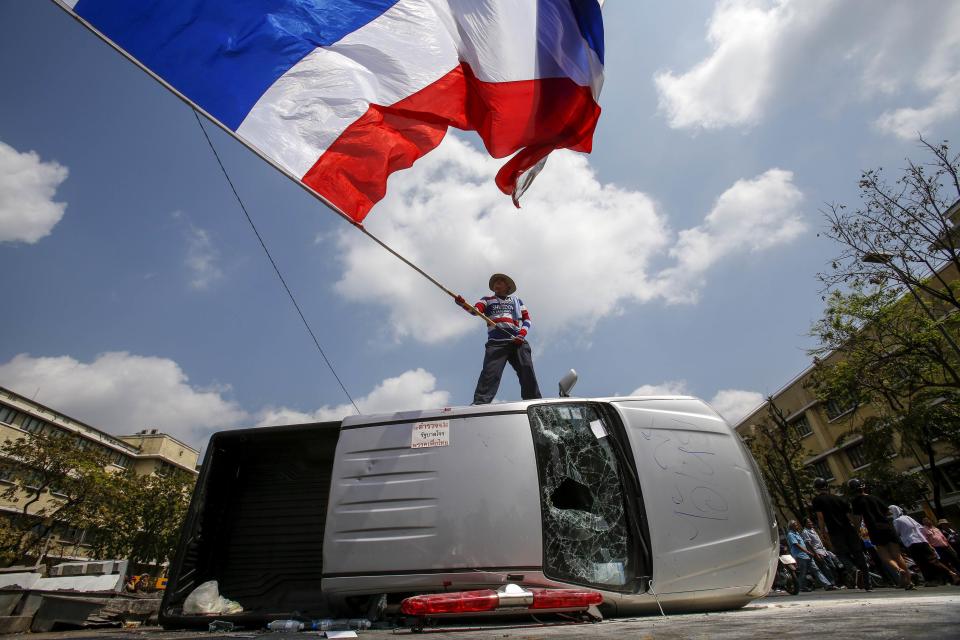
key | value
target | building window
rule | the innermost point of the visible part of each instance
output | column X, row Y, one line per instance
column 33, row 425
column 857, row 456
column 802, row 426
column 836, row 407
column 951, row 471
column 833, row 408
column 822, row 469
column 7, row 414
column 68, row 534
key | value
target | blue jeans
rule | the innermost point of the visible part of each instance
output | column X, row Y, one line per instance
column 495, row 358
column 803, row 565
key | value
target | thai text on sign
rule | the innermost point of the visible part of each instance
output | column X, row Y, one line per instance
column 435, row 433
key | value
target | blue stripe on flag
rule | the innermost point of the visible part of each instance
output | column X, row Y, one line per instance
column 224, row 54
column 590, row 21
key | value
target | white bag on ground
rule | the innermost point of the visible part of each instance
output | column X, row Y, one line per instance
column 207, row 599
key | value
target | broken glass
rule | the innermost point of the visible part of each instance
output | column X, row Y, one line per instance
column 586, row 533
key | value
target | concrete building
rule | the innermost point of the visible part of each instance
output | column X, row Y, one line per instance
column 145, row 452
column 821, row 423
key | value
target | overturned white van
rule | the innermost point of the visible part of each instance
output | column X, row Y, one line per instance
column 643, row 499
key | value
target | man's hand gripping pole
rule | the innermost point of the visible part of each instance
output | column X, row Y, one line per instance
column 471, row 309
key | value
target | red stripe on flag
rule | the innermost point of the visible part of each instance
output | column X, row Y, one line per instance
column 536, row 116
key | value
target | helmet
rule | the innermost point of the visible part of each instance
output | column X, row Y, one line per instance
column 819, row 483
column 855, row 484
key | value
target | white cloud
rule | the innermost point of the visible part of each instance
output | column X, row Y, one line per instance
column 908, row 122
column 732, row 404
column 27, row 187
column 415, row 389
column 573, row 233
column 668, row 388
column 122, row 393
column 202, row 255
column 752, row 215
column 574, row 236
column 762, row 50
column 731, row 86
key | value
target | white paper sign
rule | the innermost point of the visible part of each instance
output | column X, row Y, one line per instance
column 598, row 431
column 430, row 434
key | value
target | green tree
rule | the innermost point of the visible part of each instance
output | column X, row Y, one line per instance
column 888, row 337
column 56, row 466
column 776, row 446
column 143, row 516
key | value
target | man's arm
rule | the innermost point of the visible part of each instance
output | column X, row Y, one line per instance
column 797, row 541
column 525, row 324
column 477, row 309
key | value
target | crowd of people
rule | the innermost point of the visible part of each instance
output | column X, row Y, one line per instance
column 864, row 542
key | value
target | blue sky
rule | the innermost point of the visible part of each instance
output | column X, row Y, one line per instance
column 679, row 256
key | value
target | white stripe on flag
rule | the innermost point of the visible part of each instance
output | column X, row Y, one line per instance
column 410, row 46
column 404, row 50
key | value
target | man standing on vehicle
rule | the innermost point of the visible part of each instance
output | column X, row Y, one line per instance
column 833, row 515
column 506, row 340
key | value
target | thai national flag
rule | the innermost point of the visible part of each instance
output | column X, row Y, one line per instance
column 341, row 93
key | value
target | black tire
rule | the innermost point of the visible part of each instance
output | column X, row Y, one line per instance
column 791, row 584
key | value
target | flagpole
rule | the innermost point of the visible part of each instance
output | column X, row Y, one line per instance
column 193, row 105
column 426, row 275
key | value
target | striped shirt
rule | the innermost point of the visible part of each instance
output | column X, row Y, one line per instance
column 509, row 313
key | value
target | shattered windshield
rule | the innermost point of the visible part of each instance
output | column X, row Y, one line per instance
column 586, row 535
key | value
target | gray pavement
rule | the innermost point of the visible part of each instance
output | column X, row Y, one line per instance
column 884, row 614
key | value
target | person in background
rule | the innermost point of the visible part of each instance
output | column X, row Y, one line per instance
column 804, row 558
column 951, row 534
column 940, row 544
column 911, row 535
column 876, row 517
column 843, row 538
column 506, row 340
column 826, row 561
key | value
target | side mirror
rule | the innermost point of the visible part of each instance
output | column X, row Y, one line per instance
column 567, row 383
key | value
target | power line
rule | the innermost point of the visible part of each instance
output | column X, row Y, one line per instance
column 272, row 261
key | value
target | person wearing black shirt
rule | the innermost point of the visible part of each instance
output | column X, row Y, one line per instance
column 876, row 517
column 833, row 514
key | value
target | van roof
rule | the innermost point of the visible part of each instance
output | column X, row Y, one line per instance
column 486, row 409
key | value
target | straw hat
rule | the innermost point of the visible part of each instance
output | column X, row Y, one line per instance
column 511, row 285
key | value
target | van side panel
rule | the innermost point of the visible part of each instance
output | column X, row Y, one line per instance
column 473, row 504
column 709, row 527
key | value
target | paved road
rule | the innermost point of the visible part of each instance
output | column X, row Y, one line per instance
column 925, row 614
